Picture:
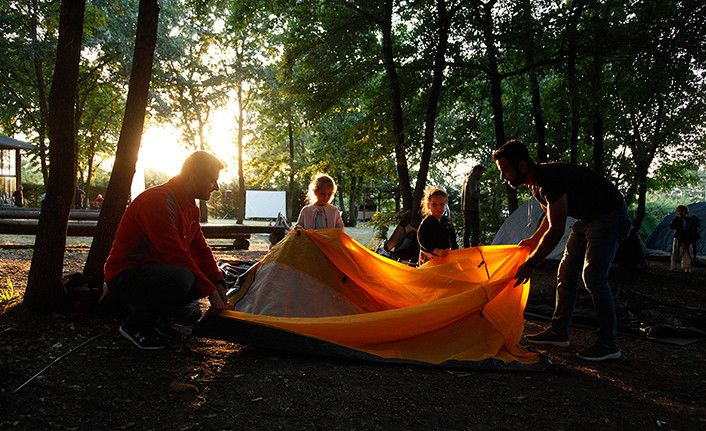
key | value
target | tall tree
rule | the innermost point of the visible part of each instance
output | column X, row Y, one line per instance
column 658, row 97
column 483, row 12
column 118, row 191
column 44, row 287
column 28, row 50
column 191, row 78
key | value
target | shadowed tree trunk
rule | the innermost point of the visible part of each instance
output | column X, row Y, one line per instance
column 396, row 108
column 573, row 86
column 485, row 19
column 41, row 93
column 539, row 124
column 443, row 25
column 241, row 171
column 290, row 198
column 44, row 287
column 118, row 191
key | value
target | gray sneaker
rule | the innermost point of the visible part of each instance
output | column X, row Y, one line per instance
column 600, row 352
column 548, row 337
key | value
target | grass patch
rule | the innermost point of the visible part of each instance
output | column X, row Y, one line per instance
column 8, row 296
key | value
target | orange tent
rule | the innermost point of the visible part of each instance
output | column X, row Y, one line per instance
column 321, row 292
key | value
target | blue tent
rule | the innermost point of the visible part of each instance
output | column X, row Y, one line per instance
column 661, row 238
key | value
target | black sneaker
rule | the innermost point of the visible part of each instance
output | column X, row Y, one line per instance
column 145, row 338
column 600, row 352
column 548, row 337
column 189, row 313
column 166, row 330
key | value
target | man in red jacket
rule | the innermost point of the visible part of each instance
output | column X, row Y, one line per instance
column 160, row 260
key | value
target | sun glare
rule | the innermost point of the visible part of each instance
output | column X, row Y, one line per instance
column 163, row 149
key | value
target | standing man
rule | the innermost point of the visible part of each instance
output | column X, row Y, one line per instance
column 602, row 222
column 470, row 204
column 160, row 260
column 18, row 197
column 78, row 198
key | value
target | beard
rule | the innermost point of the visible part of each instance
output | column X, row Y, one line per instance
column 519, row 180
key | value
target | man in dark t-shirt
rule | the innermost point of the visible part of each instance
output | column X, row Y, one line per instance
column 602, row 222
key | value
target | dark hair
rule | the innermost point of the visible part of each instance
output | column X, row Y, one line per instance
column 683, row 208
column 199, row 162
column 479, row 168
column 514, row 152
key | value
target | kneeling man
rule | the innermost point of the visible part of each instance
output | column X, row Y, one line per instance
column 160, row 260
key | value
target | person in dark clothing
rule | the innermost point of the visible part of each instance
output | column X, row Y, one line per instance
column 470, row 204
column 436, row 234
column 685, row 236
column 78, row 198
column 18, row 197
column 601, row 223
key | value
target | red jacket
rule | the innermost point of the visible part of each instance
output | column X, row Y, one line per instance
column 161, row 225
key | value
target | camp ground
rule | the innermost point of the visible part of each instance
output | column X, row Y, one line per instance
column 320, row 292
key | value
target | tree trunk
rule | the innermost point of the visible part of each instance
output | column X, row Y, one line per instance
column 290, row 132
column 486, row 22
column 118, row 191
column 352, row 207
column 41, row 94
column 432, row 106
column 241, row 170
column 396, row 108
column 44, row 289
column 596, row 72
column 203, row 205
column 539, row 125
column 573, row 93
column 341, row 200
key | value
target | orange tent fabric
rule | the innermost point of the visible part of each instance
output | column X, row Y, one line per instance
column 319, row 291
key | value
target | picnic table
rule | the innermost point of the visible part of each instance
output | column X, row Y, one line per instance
column 24, row 221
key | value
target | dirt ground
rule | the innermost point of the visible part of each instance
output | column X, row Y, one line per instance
column 204, row 384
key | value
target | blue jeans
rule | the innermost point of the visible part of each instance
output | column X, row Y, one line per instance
column 589, row 254
column 153, row 290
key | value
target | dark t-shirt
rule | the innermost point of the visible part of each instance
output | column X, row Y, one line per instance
column 589, row 194
column 433, row 234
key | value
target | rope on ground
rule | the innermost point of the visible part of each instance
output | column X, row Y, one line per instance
column 58, row 359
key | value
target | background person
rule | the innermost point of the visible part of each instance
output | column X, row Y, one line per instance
column 320, row 214
column 18, row 197
column 160, row 260
column 685, row 236
column 601, row 223
column 470, row 204
column 78, row 198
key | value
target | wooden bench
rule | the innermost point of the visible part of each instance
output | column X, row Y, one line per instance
column 238, row 232
column 33, row 214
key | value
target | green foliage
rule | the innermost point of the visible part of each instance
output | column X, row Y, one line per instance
column 316, row 89
column 659, row 204
column 381, row 222
column 8, row 296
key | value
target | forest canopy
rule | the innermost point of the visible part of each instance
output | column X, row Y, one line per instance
column 385, row 96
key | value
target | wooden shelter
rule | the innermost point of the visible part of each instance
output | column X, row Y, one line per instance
column 11, row 165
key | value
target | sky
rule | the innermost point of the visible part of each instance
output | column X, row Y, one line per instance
column 163, row 151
